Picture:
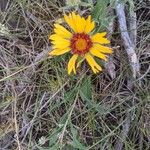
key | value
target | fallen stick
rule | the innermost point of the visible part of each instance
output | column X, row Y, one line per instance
column 132, row 27
column 128, row 44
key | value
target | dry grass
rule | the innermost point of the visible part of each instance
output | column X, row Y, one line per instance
column 44, row 108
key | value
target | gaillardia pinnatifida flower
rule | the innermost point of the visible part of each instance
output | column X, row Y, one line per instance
column 80, row 42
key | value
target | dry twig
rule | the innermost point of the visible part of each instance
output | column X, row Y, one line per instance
column 129, row 41
column 128, row 44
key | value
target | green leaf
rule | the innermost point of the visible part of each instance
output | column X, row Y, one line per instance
column 54, row 136
column 76, row 143
column 70, row 95
column 100, row 14
column 100, row 10
column 86, row 89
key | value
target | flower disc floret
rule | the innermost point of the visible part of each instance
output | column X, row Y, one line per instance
column 80, row 43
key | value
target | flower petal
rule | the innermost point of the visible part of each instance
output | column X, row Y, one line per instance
column 63, row 43
column 60, row 47
column 60, row 30
column 59, row 51
column 56, row 37
column 71, row 64
column 80, row 24
column 70, row 21
column 89, row 25
column 95, row 67
column 102, row 49
column 97, row 53
column 76, row 22
column 99, row 38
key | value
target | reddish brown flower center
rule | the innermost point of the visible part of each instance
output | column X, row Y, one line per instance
column 80, row 43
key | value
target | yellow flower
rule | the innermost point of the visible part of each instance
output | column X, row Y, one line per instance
column 79, row 42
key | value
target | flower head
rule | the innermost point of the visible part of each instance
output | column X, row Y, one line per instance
column 80, row 42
